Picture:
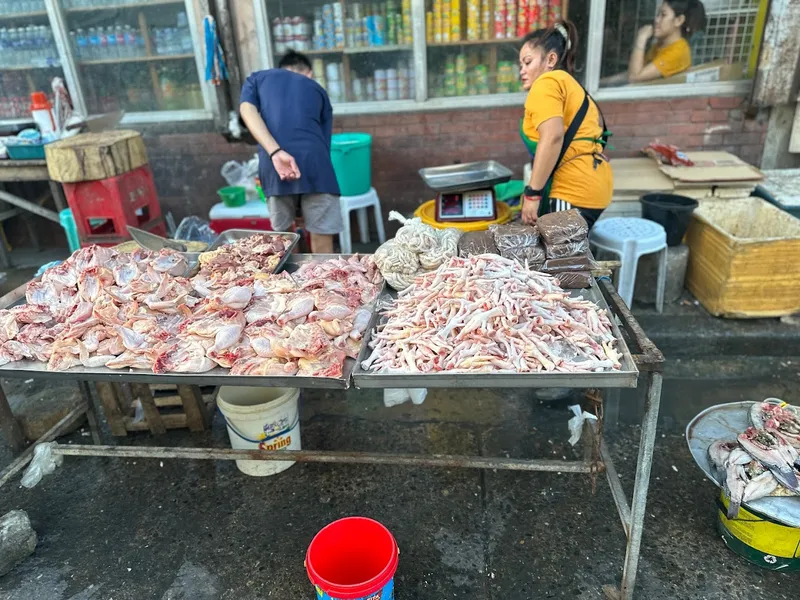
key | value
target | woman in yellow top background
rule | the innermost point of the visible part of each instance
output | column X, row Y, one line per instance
column 557, row 106
column 661, row 49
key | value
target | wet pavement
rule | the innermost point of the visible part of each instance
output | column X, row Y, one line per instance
column 140, row 529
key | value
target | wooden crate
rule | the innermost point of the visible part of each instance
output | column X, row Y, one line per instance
column 95, row 156
column 744, row 259
column 164, row 406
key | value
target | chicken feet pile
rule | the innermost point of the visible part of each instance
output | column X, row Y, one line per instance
column 488, row 314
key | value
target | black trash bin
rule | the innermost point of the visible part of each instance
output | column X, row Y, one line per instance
column 671, row 211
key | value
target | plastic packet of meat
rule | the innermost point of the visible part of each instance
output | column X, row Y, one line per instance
column 514, row 236
column 573, row 263
column 562, row 227
column 474, row 243
column 567, row 249
column 533, row 255
column 574, row 280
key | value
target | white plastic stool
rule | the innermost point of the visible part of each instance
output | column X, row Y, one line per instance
column 361, row 204
column 630, row 238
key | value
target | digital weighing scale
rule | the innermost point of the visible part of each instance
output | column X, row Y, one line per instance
column 466, row 191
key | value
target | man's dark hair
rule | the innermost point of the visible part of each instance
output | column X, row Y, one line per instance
column 295, row 60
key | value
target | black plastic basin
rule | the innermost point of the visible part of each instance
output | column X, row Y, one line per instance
column 671, row 211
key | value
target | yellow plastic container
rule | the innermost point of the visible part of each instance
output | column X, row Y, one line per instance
column 427, row 212
column 759, row 539
column 744, row 257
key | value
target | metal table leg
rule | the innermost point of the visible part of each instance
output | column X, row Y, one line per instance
column 9, row 423
column 58, row 195
column 91, row 412
column 644, row 465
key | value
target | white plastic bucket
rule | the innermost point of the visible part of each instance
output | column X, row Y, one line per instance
column 261, row 419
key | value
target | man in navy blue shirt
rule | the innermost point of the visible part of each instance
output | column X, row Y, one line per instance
column 291, row 117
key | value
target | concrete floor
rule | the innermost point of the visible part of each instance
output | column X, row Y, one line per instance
column 124, row 529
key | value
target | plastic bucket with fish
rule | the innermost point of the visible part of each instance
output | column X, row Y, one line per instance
column 759, row 539
column 261, row 419
column 353, row 559
column 766, row 529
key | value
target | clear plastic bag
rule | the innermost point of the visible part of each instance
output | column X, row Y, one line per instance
column 242, row 174
column 582, row 262
column 574, row 280
column 414, row 234
column 393, row 257
column 195, row 229
column 575, row 424
column 514, row 236
column 562, row 227
column 533, row 255
column 395, row 397
column 567, row 249
column 475, row 243
column 44, row 462
column 446, row 249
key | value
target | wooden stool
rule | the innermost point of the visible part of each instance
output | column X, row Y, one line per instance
column 161, row 410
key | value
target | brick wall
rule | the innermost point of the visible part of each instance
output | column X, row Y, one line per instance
column 186, row 161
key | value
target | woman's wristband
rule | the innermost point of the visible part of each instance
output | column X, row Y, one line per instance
column 273, row 153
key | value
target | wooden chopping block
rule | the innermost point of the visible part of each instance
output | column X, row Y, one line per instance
column 92, row 156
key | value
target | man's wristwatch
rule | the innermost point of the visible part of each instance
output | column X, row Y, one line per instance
column 529, row 192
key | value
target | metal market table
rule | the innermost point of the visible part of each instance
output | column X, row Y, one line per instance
column 640, row 358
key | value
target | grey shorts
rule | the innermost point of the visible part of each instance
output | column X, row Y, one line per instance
column 321, row 212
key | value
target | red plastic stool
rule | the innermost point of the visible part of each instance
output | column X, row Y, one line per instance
column 104, row 208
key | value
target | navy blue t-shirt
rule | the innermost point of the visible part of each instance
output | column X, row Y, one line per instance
column 299, row 116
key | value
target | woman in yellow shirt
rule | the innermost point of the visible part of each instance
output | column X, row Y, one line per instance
column 662, row 49
column 563, row 130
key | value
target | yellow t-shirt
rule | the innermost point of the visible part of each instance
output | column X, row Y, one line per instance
column 578, row 179
column 672, row 59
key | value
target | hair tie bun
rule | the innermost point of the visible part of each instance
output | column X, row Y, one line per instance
column 563, row 31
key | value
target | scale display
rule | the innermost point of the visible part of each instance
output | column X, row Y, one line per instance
column 477, row 205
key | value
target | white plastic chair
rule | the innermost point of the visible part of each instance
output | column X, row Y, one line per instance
column 631, row 238
column 361, row 204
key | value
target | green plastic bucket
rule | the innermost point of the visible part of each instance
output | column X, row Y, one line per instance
column 351, row 154
column 233, row 196
column 68, row 223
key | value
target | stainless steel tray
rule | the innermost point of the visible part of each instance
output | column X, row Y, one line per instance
column 230, row 236
column 626, row 377
column 462, row 178
column 217, row 376
column 725, row 422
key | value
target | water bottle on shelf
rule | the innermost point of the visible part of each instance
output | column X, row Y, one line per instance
column 83, row 45
column 131, row 48
column 111, row 40
column 103, row 41
column 140, row 47
column 169, row 41
column 122, row 49
column 94, row 44
column 11, row 44
column 155, row 38
column 29, row 37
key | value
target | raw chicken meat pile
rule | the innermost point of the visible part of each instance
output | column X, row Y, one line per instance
column 105, row 308
column 488, row 314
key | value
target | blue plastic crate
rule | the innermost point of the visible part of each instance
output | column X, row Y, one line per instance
column 25, row 151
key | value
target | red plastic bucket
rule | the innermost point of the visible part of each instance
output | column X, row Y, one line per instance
column 353, row 559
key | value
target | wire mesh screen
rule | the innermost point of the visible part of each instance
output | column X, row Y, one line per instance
column 728, row 35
